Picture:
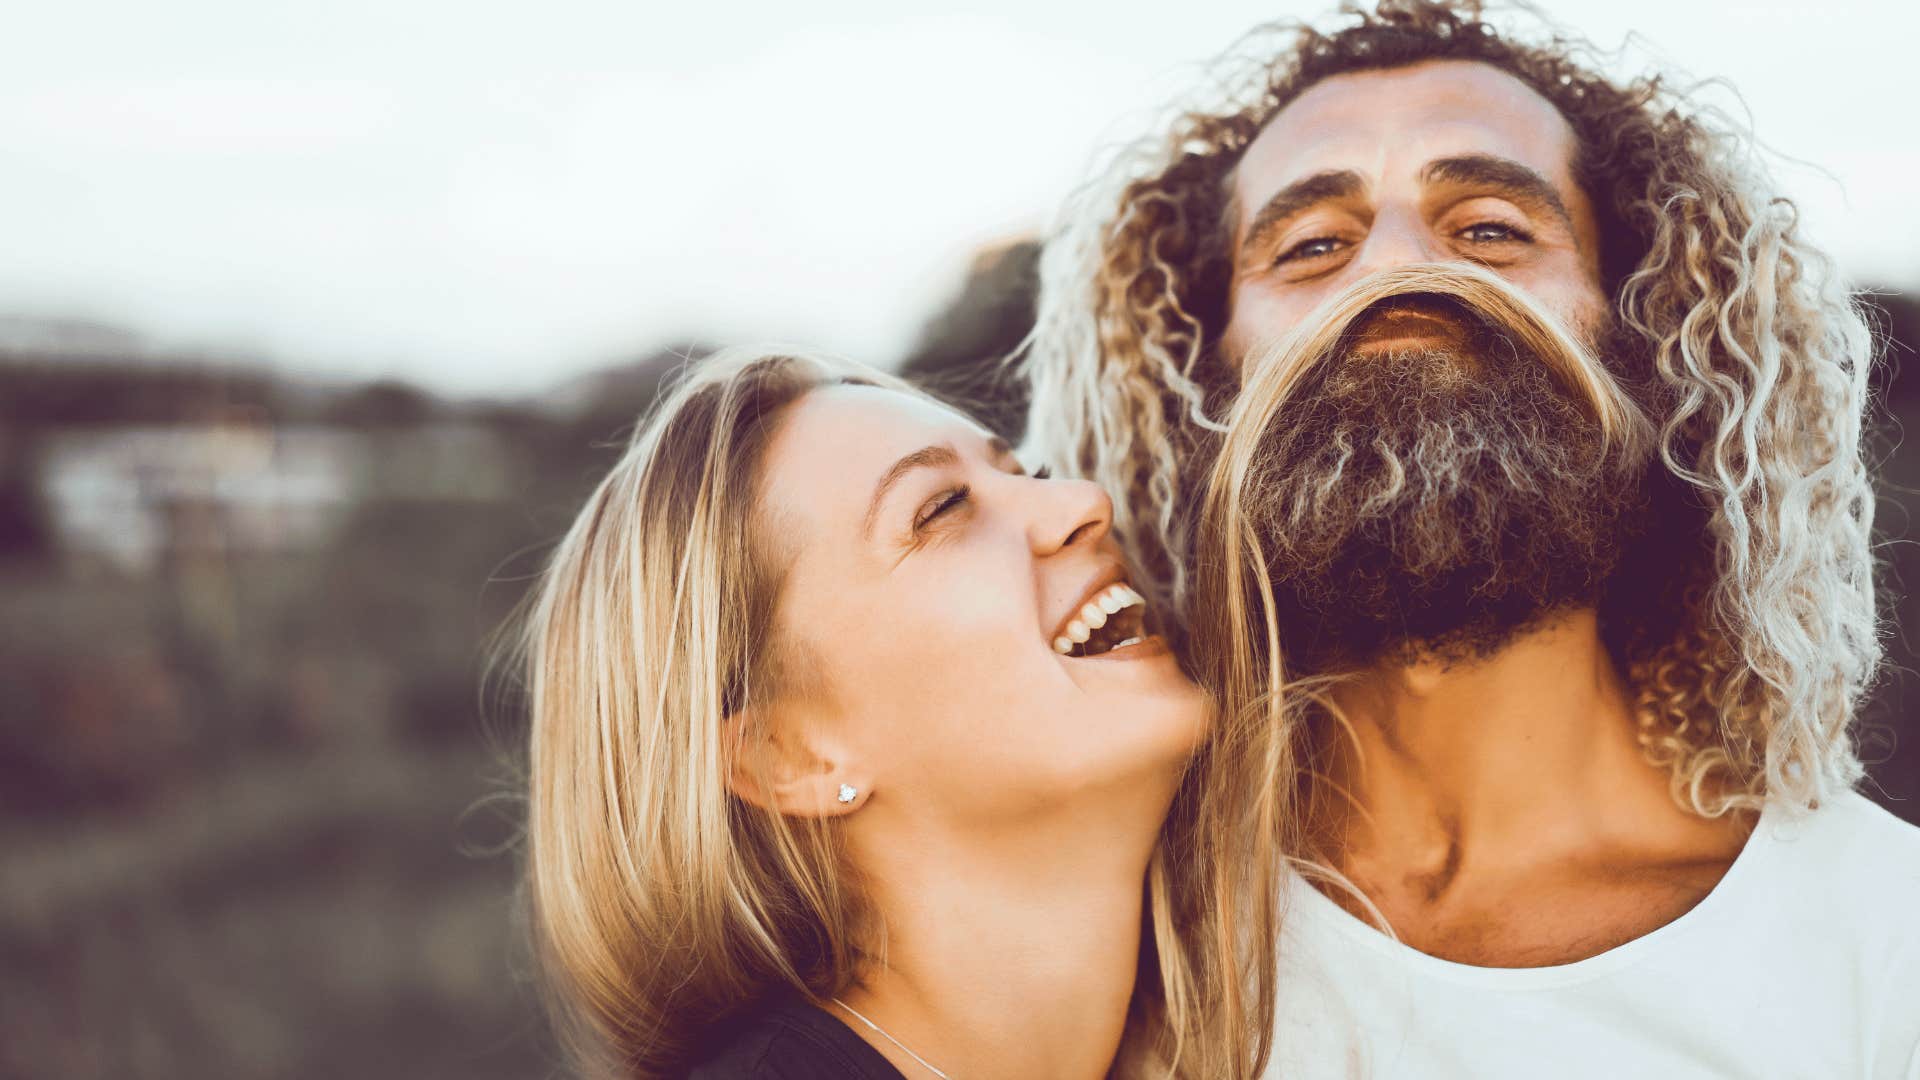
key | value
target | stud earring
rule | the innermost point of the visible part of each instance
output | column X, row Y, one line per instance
column 848, row 793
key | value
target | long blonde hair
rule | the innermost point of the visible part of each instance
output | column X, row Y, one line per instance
column 1236, row 636
column 661, row 903
column 1753, row 359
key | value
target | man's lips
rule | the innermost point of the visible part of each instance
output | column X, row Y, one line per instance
column 1407, row 323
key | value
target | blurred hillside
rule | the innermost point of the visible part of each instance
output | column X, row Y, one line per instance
column 251, row 822
column 255, row 815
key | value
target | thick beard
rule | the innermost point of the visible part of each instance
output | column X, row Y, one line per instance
column 1433, row 505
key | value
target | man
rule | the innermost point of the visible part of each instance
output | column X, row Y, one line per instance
column 1498, row 438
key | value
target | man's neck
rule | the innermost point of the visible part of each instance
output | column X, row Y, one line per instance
column 1483, row 791
column 1015, row 956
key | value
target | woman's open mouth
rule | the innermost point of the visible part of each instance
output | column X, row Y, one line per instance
column 1113, row 618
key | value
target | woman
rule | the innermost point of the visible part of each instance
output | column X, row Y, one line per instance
column 853, row 754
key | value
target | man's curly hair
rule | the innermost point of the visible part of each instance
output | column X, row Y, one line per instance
column 1746, row 619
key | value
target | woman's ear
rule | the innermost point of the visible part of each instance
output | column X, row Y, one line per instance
column 790, row 767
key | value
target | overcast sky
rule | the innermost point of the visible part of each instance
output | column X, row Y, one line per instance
column 490, row 198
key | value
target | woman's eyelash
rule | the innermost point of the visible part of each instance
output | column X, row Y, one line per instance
column 955, row 497
column 942, row 503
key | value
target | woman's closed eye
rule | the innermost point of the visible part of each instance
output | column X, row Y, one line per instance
column 956, row 498
column 933, row 509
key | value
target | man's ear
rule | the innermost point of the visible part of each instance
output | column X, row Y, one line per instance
column 790, row 767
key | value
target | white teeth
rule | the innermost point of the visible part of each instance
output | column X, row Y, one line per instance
column 1124, row 644
column 1095, row 614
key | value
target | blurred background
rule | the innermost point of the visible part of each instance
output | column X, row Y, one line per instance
column 317, row 323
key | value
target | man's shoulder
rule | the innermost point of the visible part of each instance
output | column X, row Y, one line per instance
column 1849, row 824
column 1849, row 845
column 1878, row 822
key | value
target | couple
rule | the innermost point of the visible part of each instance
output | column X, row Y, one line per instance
column 1480, row 435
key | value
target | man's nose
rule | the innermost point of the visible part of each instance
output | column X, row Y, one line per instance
column 1395, row 240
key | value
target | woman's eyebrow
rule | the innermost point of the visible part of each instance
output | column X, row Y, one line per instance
column 938, row 456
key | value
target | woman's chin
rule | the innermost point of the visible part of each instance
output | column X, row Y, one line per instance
column 1145, row 742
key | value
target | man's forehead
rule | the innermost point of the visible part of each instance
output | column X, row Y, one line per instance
column 1372, row 122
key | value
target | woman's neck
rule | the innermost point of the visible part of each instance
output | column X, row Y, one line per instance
column 1012, row 954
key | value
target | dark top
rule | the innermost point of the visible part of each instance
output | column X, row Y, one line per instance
column 788, row 1038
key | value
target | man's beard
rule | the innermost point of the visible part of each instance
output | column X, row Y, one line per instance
column 1433, row 504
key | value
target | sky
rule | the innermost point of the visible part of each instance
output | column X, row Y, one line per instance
column 490, row 199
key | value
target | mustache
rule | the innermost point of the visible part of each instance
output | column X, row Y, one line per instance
column 1428, row 461
column 1486, row 309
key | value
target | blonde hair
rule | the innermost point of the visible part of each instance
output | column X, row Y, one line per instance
column 661, row 903
column 1533, row 330
column 1753, row 359
column 1236, row 635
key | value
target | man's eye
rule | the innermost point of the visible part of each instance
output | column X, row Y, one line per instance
column 939, row 505
column 1310, row 249
column 1492, row 232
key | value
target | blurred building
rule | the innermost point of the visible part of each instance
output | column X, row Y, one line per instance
column 139, row 496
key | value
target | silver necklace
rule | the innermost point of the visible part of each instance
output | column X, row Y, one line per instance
column 882, row 1032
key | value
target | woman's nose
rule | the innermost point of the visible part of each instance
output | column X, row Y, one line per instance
column 1068, row 512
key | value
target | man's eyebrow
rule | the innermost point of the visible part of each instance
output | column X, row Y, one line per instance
column 1519, row 182
column 925, row 457
column 1301, row 195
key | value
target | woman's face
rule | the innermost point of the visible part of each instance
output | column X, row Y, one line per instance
column 931, row 587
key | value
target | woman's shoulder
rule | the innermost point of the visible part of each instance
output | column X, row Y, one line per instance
column 788, row 1038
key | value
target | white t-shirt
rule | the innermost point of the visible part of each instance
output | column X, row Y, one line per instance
column 1804, row 961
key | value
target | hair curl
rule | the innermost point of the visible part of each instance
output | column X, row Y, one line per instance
column 1750, row 653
